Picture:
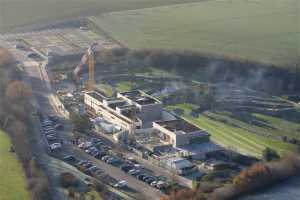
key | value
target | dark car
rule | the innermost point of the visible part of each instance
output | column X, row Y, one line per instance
column 53, row 118
column 126, row 168
column 70, row 159
column 82, row 162
column 141, row 176
column 100, row 154
column 150, row 180
column 146, row 177
column 87, row 165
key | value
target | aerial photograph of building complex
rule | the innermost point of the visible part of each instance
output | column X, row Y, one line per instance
column 149, row 100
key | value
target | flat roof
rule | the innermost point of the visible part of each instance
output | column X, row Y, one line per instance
column 140, row 97
column 178, row 125
column 179, row 163
column 96, row 95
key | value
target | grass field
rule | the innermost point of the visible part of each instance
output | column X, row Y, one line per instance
column 259, row 30
column 13, row 183
column 14, row 13
column 233, row 137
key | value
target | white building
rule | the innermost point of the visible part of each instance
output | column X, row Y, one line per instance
column 128, row 108
column 114, row 110
column 179, row 133
column 181, row 166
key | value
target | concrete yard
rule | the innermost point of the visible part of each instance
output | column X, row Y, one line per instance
column 64, row 41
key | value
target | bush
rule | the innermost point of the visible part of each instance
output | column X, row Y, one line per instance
column 270, row 154
column 67, row 180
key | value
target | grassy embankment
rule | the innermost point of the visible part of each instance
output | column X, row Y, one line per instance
column 233, row 137
column 235, row 28
column 13, row 181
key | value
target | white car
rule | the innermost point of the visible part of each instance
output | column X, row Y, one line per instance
column 54, row 146
column 120, row 184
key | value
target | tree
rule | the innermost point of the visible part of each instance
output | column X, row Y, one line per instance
column 5, row 57
column 270, row 154
column 17, row 90
column 107, row 56
column 82, row 123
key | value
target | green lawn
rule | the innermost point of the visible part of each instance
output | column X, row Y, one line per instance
column 13, row 183
column 124, row 86
column 16, row 13
column 232, row 137
column 260, row 30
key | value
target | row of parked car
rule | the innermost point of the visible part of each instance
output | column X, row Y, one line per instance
column 50, row 125
column 91, row 169
column 98, row 149
column 87, row 166
column 135, row 171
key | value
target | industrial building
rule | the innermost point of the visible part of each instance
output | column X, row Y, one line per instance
column 181, row 166
column 127, row 109
column 179, row 133
column 148, row 108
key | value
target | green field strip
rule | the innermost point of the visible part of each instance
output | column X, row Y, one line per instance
column 13, row 181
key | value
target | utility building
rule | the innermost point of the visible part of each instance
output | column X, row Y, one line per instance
column 180, row 133
column 149, row 109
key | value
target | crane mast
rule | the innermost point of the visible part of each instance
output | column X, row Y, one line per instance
column 88, row 59
column 91, row 79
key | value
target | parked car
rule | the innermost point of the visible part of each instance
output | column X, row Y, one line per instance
column 150, row 180
column 99, row 172
column 112, row 161
column 59, row 127
column 70, row 159
column 51, row 136
column 133, row 172
column 105, row 158
column 91, row 149
column 49, row 129
column 87, row 165
column 49, row 133
column 93, row 168
column 153, row 184
column 121, row 184
column 54, row 146
column 85, row 145
column 52, row 140
column 53, row 118
column 105, row 147
column 100, row 154
column 82, row 162
column 161, row 184
column 141, row 176
column 126, row 168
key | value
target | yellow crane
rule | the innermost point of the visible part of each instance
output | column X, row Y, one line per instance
column 87, row 59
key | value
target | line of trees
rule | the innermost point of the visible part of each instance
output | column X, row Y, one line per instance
column 15, row 106
column 214, row 68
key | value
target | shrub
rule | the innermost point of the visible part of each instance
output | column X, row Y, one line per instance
column 270, row 154
column 67, row 179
